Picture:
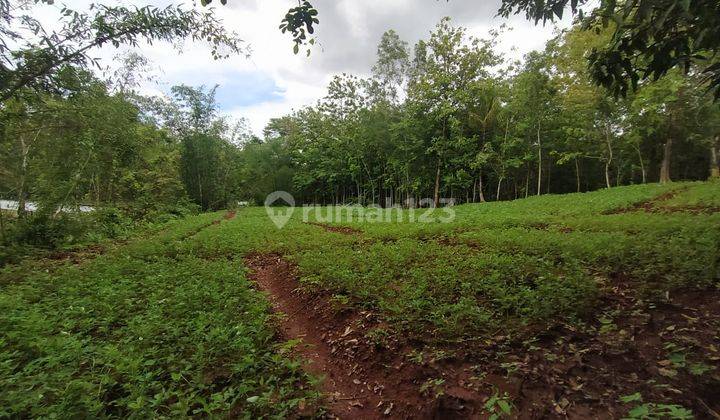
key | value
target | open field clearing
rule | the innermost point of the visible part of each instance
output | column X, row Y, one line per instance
column 360, row 210
column 602, row 304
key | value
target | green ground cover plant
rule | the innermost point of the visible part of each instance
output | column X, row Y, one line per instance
column 167, row 324
column 142, row 331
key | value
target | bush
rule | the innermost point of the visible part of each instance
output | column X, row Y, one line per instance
column 45, row 230
column 110, row 222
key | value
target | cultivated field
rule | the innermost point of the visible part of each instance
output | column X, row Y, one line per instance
column 602, row 304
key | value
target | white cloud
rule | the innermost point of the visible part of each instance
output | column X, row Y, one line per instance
column 348, row 34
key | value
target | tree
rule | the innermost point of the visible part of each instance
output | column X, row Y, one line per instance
column 534, row 95
column 30, row 56
column 392, row 64
column 207, row 157
column 650, row 37
column 89, row 147
column 447, row 67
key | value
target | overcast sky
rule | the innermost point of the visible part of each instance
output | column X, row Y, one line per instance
column 273, row 81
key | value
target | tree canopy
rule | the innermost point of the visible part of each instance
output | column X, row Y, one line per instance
column 31, row 55
column 650, row 37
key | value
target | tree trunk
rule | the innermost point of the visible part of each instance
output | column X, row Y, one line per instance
column 539, row 180
column 714, row 160
column 610, row 156
column 607, row 175
column 527, row 182
column 548, row 177
column 577, row 173
column 497, row 195
column 436, row 199
column 480, row 188
column 2, row 227
column 24, row 150
column 665, row 167
column 642, row 165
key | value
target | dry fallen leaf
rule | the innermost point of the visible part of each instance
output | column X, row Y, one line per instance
column 389, row 409
column 670, row 373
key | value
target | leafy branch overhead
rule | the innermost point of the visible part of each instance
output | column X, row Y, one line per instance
column 650, row 37
column 299, row 22
column 42, row 53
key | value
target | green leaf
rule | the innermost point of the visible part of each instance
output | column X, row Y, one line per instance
column 636, row 397
column 504, row 406
column 638, row 412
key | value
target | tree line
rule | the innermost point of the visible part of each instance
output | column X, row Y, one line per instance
column 449, row 117
column 452, row 117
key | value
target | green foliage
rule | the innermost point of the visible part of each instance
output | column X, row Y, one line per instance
column 501, row 265
column 498, row 406
column 48, row 231
column 649, row 411
column 143, row 331
column 167, row 324
column 456, row 120
column 36, row 61
column 299, row 22
column 650, row 37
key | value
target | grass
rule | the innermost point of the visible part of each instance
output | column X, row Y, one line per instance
column 168, row 325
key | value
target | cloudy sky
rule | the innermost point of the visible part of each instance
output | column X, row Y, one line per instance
column 273, row 81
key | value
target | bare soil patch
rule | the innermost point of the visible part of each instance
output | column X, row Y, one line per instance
column 337, row 229
column 631, row 347
column 78, row 256
column 655, row 205
column 564, row 371
column 230, row 214
column 362, row 380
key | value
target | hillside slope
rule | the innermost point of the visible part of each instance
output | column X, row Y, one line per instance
column 598, row 304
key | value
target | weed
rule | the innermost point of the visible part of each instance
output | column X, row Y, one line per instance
column 647, row 411
column 433, row 386
column 498, row 405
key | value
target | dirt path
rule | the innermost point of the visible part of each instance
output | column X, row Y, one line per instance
column 585, row 377
column 656, row 205
column 360, row 383
column 337, row 229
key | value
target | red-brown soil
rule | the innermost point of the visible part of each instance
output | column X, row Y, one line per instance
column 361, row 382
column 230, row 214
column 78, row 256
column 655, row 205
column 565, row 371
column 337, row 229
